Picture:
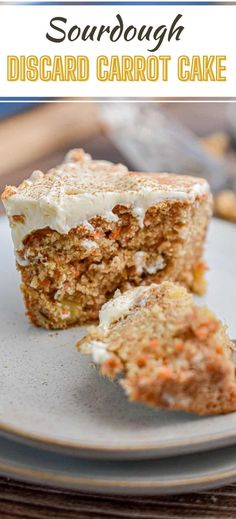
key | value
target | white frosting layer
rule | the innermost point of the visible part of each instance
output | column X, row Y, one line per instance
column 98, row 350
column 120, row 306
column 111, row 312
column 141, row 264
column 81, row 189
column 89, row 244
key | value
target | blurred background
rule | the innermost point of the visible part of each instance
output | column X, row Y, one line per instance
column 189, row 138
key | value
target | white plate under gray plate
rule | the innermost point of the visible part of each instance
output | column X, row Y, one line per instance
column 143, row 477
column 52, row 396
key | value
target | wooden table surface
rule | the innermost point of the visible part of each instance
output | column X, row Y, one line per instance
column 21, row 500
column 26, row 501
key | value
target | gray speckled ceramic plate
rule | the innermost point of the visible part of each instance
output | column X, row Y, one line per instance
column 52, row 396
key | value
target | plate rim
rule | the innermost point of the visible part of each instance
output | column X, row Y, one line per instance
column 179, row 485
column 167, row 449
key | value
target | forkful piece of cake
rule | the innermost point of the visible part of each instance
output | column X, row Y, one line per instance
column 166, row 351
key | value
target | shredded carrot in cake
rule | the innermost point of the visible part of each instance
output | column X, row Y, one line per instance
column 114, row 234
column 112, row 366
column 179, row 346
column 165, row 373
column 142, row 360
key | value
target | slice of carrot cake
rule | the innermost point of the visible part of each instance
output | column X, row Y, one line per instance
column 88, row 227
column 168, row 352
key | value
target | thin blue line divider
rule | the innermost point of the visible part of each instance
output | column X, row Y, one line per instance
column 143, row 99
column 120, row 3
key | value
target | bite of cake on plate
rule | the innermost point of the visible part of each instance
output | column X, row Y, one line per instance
column 168, row 352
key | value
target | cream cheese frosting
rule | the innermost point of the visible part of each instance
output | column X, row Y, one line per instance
column 113, row 311
column 120, row 305
column 140, row 258
column 98, row 350
column 81, row 188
